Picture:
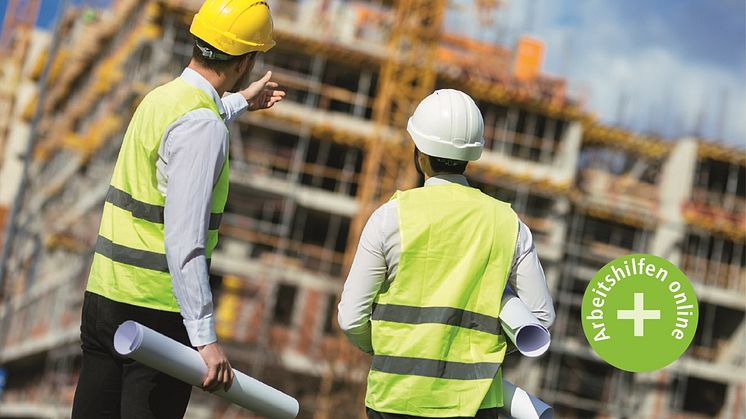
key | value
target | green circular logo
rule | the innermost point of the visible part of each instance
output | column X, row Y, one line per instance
column 639, row 313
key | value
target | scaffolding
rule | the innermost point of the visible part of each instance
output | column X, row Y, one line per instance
column 305, row 175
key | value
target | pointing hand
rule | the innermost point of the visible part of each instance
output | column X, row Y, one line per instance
column 263, row 93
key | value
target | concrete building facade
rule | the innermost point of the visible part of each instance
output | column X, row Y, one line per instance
column 589, row 192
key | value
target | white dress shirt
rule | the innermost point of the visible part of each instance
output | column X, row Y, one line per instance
column 190, row 161
column 377, row 260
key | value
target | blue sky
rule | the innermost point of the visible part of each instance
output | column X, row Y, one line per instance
column 50, row 8
column 675, row 64
column 673, row 67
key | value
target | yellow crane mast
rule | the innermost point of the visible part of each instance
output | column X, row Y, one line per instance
column 406, row 78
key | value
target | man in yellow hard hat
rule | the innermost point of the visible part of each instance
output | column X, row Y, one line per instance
column 424, row 290
column 161, row 216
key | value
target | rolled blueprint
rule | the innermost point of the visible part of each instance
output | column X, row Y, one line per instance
column 184, row 363
column 528, row 335
column 518, row 404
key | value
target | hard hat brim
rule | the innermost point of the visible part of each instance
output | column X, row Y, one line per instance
column 433, row 146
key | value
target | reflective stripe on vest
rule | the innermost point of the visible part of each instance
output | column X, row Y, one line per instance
column 130, row 263
column 435, row 331
column 149, row 212
column 443, row 315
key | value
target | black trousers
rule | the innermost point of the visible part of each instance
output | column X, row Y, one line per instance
column 481, row 414
column 111, row 386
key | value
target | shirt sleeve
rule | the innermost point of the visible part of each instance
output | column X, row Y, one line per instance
column 234, row 104
column 527, row 278
column 367, row 274
column 195, row 152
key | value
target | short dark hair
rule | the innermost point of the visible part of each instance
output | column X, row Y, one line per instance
column 219, row 65
column 450, row 166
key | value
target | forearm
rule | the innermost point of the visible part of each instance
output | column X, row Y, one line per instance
column 190, row 281
column 360, row 336
column 356, row 303
column 528, row 280
column 531, row 288
column 366, row 276
column 235, row 105
column 184, row 227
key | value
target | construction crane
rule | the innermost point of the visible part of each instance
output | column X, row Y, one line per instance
column 407, row 77
column 20, row 17
column 19, row 21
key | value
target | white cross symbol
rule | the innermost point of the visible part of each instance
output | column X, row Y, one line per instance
column 639, row 314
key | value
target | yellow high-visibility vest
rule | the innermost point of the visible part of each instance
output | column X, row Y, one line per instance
column 130, row 264
column 435, row 332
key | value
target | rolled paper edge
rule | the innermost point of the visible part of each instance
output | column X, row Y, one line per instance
column 514, row 317
column 544, row 410
column 127, row 338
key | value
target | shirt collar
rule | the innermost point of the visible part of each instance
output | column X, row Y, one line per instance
column 444, row 179
column 195, row 79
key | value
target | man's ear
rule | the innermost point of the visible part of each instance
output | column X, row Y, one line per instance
column 424, row 161
column 422, row 157
column 246, row 62
column 242, row 64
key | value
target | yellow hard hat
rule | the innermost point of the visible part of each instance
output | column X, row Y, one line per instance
column 235, row 27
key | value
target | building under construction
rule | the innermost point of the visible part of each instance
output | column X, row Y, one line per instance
column 306, row 174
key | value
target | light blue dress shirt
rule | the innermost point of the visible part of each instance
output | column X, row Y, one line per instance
column 190, row 160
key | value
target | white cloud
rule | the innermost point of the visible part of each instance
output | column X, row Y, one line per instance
column 595, row 49
column 665, row 92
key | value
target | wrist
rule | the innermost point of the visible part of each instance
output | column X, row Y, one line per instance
column 201, row 347
column 201, row 332
column 246, row 96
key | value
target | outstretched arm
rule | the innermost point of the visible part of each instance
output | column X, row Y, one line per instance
column 261, row 94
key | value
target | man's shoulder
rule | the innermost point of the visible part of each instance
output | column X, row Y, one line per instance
column 179, row 96
column 386, row 213
column 489, row 199
column 160, row 90
column 387, row 207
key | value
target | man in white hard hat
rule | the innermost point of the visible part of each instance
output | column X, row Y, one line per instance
column 423, row 293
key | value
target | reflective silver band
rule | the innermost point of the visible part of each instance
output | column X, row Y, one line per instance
column 441, row 315
column 135, row 257
column 434, row 368
column 145, row 211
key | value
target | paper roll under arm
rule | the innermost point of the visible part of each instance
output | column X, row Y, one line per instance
column 528, row 335
column 184, row 363
column 519, row 404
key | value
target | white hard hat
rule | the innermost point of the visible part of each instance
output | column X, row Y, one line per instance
column 448, row 124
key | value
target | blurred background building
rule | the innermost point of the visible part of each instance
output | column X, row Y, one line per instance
column 306, row 175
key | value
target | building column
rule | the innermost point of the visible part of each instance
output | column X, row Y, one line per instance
column 674, row 190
